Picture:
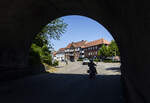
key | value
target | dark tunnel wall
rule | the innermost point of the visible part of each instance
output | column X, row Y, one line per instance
column 128, row 22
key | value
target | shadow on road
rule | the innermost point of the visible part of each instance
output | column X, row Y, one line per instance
column 63, row 88
column 116, row 69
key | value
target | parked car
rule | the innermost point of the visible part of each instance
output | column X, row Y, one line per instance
column 116, row 58
column 85, row 61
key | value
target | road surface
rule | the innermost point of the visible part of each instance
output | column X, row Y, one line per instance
column 70, row 84
column 78, row 68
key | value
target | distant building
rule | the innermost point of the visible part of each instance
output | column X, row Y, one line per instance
column 81, row 49
column 73, row 51
column 91, row 48
column 60, row 54
column 53, row 56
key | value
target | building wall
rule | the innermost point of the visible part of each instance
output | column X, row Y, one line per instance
column 92, row 51
column 75, row 53
column 60, row 57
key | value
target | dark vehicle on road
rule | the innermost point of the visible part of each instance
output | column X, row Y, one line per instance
column 72, row 58
column 92, row 69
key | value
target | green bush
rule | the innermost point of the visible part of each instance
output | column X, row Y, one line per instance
column 80, row 59
column 107, row 61
column 110, row 61
column 39, row 55
column 56, row 63
column 46, row 59
column 96, row 60
column 34, row 57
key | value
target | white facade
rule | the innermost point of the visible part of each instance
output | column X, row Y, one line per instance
column 59, row 56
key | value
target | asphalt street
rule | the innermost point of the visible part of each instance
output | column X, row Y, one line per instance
column 70, row 84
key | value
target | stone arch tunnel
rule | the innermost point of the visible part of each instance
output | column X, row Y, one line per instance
column 127, row 21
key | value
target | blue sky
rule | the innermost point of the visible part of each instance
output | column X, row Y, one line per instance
column 81, row 28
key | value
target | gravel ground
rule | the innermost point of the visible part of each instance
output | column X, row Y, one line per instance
column 78, row 68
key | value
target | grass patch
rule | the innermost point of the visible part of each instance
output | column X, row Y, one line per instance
column 110, row 61
column 80, row 60
column 49, row 68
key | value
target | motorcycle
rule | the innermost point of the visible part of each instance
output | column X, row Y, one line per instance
column 92, row 71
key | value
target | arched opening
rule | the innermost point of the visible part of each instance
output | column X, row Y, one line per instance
column 89, row 35
column 71, row 78
column 124, row 19
column 88, row 40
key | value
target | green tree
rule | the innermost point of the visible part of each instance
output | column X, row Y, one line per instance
column 53, row 30
column 104, row 51
column 114, row 51
column 109, row 51
column 40, row 48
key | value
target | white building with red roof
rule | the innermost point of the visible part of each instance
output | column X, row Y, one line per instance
column 73, row 50
column 81, row 49
column 60, row 54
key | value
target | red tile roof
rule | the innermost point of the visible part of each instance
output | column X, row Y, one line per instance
column 54, row 53
column 96, row 42
column 76, row 44
column 84, row 44
column 61, row 49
